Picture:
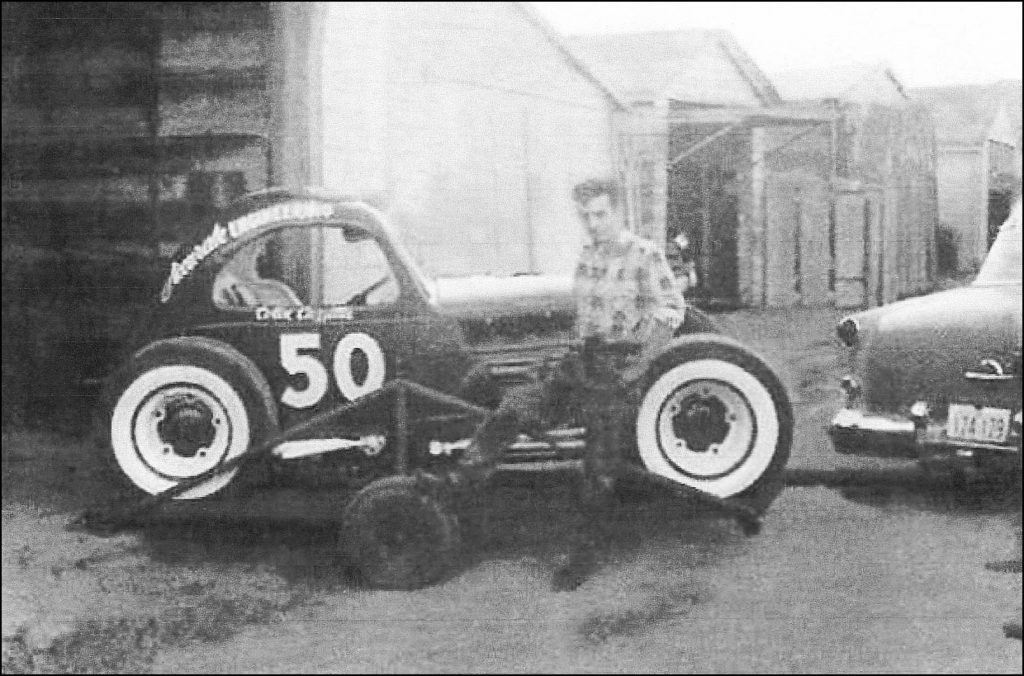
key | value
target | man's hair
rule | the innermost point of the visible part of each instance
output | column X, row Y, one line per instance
column 595, row 187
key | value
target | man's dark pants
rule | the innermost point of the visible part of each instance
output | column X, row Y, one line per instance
column 584, row 386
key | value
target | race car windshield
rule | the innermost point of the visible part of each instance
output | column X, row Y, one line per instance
column 1003, row 264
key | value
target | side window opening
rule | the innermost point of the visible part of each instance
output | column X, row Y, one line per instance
column 356, row 271
column 269, row 271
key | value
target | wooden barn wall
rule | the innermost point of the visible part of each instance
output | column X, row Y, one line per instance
column 893, row 149
column 965, row 176
column 963, row 200
column 474, row 151
column 797, row 166
column 123, row 123
column 70, row 94
column 842, row 215
column 213, row 114
column 868, row 236
column 644, row 148
column 101, row 132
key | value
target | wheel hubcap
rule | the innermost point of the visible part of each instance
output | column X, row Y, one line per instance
column 186, row 426
column 702, row 422
column 181, row 431
column 706, row 429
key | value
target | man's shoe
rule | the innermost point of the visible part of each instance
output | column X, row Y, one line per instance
column 1012, row 630
column 573, row 569
column 750, row 525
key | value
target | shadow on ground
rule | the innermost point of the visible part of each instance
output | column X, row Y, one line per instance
column 522, row 517
column 912, row 488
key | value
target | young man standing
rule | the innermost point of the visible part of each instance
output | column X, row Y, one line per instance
column 624, row 291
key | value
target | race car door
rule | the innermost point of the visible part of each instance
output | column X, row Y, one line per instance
column 319, row 308
column 361, row 338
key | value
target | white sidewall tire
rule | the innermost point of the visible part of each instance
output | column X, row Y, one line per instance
column 124, row 439
column 761, row 405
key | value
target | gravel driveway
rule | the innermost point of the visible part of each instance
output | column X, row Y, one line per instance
column 862, row 566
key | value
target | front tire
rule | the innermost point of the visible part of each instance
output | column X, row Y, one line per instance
column 716, row 418
column 180, row 408
column 399, row 535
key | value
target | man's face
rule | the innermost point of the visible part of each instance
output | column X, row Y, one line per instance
column 601, row 220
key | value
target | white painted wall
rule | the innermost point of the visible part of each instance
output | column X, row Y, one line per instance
column 471, row 126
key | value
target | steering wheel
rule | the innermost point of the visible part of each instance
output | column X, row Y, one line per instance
column 360, row 297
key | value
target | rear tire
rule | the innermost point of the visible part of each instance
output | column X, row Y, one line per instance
column 398, row 535
column 715, row 417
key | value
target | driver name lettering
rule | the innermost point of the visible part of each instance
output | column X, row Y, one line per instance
column 266, row 313
column 287, row 314
column 221, row 235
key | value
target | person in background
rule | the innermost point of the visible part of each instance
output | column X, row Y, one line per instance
column 688, row 267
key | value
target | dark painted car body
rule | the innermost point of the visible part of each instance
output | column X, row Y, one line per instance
column 470, row 338
column 938, row 377
column 296, row 304
column 415, row 337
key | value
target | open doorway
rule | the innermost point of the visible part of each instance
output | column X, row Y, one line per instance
column 703, row 208
column 999, row 202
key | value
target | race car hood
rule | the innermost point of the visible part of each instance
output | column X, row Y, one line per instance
column 508, row 308
column 485, row 297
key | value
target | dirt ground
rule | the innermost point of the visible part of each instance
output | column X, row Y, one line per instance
column 862, row 566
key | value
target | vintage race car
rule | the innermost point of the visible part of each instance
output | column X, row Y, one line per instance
column 298, row 302
column 939, row 377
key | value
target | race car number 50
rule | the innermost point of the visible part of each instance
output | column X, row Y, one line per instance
column 294, row 362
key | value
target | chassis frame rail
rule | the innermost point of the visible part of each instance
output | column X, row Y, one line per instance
column 112, row 518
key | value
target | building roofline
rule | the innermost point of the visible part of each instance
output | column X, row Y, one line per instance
column 887, row 70
column 749, row 73
column 557, row 40
column 748, row 68
column 862, row 72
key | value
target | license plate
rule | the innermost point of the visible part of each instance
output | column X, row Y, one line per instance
column 975, row 423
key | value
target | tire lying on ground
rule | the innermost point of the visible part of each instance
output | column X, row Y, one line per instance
column 398, row 535
column 715, row 417
column 181, row 407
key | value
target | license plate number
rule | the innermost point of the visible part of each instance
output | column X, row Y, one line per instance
column 974, row 423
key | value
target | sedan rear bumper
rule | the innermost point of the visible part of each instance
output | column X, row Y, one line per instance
column 855, row 432
column 933, row 444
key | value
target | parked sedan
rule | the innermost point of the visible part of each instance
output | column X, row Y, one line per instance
column 938, row 378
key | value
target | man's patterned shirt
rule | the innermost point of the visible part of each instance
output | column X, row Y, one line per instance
column 625, row 290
